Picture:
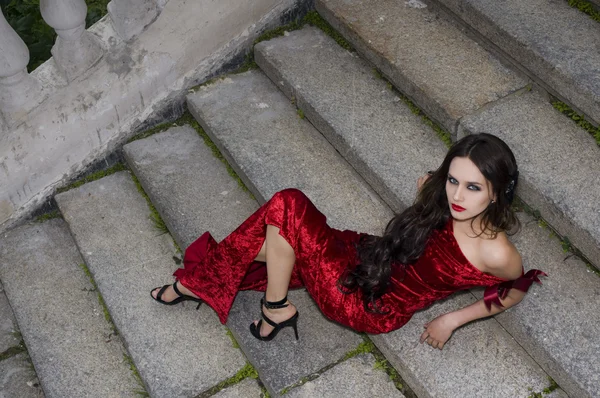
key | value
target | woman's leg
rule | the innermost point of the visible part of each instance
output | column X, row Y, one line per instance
column 280, row 259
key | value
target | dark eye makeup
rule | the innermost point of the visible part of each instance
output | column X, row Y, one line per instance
column 472, row 187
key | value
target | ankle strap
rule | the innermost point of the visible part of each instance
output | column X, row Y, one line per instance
column 177, row 290
column 273, row 305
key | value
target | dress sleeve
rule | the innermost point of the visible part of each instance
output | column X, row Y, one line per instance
column 494, row 293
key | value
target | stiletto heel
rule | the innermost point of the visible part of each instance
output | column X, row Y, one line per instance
column 293, row 321
column 182, row 297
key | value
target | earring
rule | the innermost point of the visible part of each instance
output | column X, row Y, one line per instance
column 493, row 201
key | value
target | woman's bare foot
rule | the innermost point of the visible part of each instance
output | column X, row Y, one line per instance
column 170, row 294
column 276, row 315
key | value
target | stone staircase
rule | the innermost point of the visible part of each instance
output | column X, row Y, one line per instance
column 318, row 118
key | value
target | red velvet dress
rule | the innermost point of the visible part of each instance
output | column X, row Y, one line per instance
column 215, row 272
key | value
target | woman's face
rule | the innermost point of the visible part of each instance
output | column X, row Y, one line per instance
column 467, row 190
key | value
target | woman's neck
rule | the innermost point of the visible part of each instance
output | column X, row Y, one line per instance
column 471, row 227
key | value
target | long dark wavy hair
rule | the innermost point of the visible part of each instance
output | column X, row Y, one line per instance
column 407, row 233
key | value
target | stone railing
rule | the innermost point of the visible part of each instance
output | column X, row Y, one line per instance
column 130, row 70
column 74, row 52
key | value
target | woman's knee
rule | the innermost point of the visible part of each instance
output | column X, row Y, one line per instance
column 292, row 196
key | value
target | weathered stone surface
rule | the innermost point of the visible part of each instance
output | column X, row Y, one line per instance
column 8, row 324
column 248, row 388
column 189, row 187
column 180, row 151
column 271, row 148
column 364, row 121
column 131, row 17
column 555, row 42
column 559, row 164
column 179, row 352
column 558, row 323
column 480, row 360
column 284, row 361
column 134, row 84
column 18, row 378
column 355, row 377
column 71, row 344
column 446, row 73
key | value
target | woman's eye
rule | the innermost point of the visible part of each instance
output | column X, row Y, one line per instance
column 473, row 188
column 452, row 180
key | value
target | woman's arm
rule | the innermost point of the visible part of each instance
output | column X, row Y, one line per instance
column 438, row 331
column 501, row 260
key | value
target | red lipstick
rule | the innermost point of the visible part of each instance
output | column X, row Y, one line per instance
column 457, row 208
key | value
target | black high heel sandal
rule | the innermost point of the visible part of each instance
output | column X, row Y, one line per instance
column 293, row 321
column 182, row 297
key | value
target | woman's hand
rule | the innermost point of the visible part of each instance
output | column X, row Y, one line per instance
column 438, row 331
column 422, row 180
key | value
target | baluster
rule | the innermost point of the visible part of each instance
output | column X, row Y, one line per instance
column 19, row 92
column 76, row 49
column 130, row 17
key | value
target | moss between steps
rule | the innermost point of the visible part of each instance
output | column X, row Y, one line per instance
column 578, row 119
column 93, row 177
column 245, row 372
column 366, row 347
column 553, row 386
column 312, row 18
column 12, row 351
column 48, row 216
column 564, row 241
column 586, row 7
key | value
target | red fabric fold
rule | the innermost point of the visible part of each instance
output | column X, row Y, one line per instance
column 494, row 293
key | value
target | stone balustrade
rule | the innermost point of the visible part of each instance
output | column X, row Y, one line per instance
column 19, row 92
column 75, row 51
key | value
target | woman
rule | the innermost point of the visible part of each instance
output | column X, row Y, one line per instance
column 452, row 238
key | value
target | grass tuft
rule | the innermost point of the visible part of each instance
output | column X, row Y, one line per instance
column 365, row 347
column 245, row 372
column 586, row 7
column 48, row 216
column 142, row 391
column 553, row 386
column 154, row 216
column 234, row 342
column 93, row 177
column 12, row 351
column 300, row 113
column 578, row 119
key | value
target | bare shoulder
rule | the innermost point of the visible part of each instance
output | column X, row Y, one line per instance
column 501, row 257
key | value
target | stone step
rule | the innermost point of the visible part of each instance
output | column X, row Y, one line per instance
column 358, row 375
column 254, row 126
column 194, row 193
column 558, row 323
column 354, row 110
column 555, row 43
column 178, row 352
column 441, row 69
column 323, row 93
column 71, row 344
column 19, row 378
column 246, row 117
column 559, row 164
